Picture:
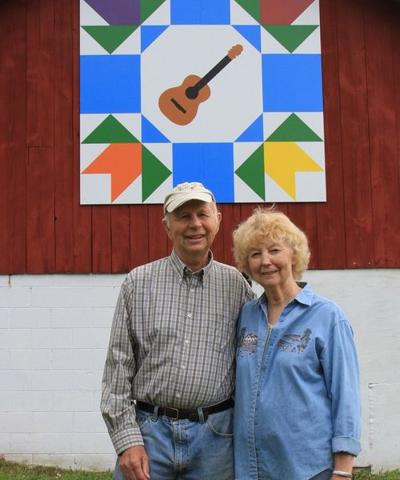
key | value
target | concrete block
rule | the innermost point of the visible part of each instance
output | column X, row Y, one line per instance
column 4, row 442
column 18, row 338
column 4, row 359
column 78, row 359
column 65, row 380
column 96, row 462
column 88, row 422
column 51, row 338
column 100, row 296
column 38, row 359
column 91, row 443
column 74, row 401
column 85, row 317
column 53, row 422
column 4, row 318
column 30, row 318
column 15, row 297
column 25, row 401
column 21, row 422
column 15, row 380
column 91, row 337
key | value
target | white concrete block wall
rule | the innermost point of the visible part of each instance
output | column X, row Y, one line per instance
column 54, row 331
column 53, row 336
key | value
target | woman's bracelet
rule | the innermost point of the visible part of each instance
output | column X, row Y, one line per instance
column 340, row 473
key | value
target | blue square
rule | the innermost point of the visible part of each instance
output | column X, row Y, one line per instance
column 200, row 12
column 110, row 83
column 208, row 163
column 292, row 83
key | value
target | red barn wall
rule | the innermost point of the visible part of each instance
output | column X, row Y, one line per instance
column 43, row 229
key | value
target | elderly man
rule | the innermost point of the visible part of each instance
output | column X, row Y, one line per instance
column 172, row 350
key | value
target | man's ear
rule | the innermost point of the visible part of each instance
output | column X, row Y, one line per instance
column 166, row 227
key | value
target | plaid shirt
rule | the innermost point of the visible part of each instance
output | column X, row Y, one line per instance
column 172, row 341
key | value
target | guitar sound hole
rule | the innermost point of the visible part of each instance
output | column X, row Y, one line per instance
column 191, row 92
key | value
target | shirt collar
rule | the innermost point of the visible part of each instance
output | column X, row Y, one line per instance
column 182, row 270
column 304, row 296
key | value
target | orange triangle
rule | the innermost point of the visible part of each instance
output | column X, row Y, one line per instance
column 123, row 161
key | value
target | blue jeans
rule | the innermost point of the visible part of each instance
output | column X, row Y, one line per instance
column 185, row 450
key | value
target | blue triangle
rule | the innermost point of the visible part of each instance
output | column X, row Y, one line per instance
column 149, row 33
column 150, row 134
column 254, row 133
column 252, row 33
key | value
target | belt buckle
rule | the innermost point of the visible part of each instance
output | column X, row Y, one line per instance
column 176, row 417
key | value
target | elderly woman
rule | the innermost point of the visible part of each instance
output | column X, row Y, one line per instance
column 297, row 404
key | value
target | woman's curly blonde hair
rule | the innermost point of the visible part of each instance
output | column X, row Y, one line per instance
column 270, row 225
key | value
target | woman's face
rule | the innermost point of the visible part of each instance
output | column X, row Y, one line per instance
column 271, row 264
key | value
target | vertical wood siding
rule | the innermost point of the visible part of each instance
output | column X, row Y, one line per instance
column 43, row 229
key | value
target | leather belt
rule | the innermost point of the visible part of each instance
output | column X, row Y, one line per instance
column 179, row 413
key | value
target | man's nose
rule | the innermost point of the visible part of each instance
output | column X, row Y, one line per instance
column 195, row 221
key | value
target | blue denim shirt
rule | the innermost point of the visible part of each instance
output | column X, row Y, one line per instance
column 297, row 397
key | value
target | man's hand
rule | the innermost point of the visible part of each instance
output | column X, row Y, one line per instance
column 134, row 463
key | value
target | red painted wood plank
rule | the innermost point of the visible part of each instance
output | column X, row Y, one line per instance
column 158, row 245
column 139, row 238
column 230, row 220
column 101, row 239
column 355, row 134
column 13, row 152
column 120, row 242
column 331, row 247
column 63, row 136
column 40, row 72
column 82, row 215
column 304, row 216
column 382, row 126
column 40, row 243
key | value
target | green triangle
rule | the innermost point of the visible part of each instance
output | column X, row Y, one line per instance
column 110, row 36
column 290, row 36
column 154, row 173
column 293, row 129
column 252, row 172
column 110, row 130
column 148, row 7
column 252, row 7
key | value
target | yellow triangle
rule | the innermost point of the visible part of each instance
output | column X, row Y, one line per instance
column 281, row 162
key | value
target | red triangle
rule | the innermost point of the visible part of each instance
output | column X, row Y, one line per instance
column 282, row 12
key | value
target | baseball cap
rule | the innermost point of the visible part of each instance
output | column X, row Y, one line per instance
column 184, row 192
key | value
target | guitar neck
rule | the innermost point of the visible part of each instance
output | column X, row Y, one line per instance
column 212, row 73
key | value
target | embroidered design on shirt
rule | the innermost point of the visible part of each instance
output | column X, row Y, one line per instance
column 295, row 343
column 248, row 343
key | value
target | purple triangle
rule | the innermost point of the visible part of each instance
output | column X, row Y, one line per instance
column 117, row 12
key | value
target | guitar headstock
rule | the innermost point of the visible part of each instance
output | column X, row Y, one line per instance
column 235, row 51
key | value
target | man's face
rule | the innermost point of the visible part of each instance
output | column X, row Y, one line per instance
column 192, row 228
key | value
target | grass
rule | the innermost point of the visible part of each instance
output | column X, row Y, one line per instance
column 16, row 471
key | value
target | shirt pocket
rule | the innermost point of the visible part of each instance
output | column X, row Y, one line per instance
column 219, row 334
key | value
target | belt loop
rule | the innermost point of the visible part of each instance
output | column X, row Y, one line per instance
column 154, row 416
column 200, row 413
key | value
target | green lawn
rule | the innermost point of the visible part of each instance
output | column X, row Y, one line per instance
column 14, row 471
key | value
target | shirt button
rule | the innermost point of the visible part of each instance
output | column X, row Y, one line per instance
column 192, row 290
column 189, row 315
column 178, row 395
column 183, row 367
column 186, row 342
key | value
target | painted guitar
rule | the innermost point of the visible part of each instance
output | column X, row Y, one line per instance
column 180, row 104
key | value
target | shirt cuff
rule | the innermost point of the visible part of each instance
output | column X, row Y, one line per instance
column 123, row 439
column 346, row 444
